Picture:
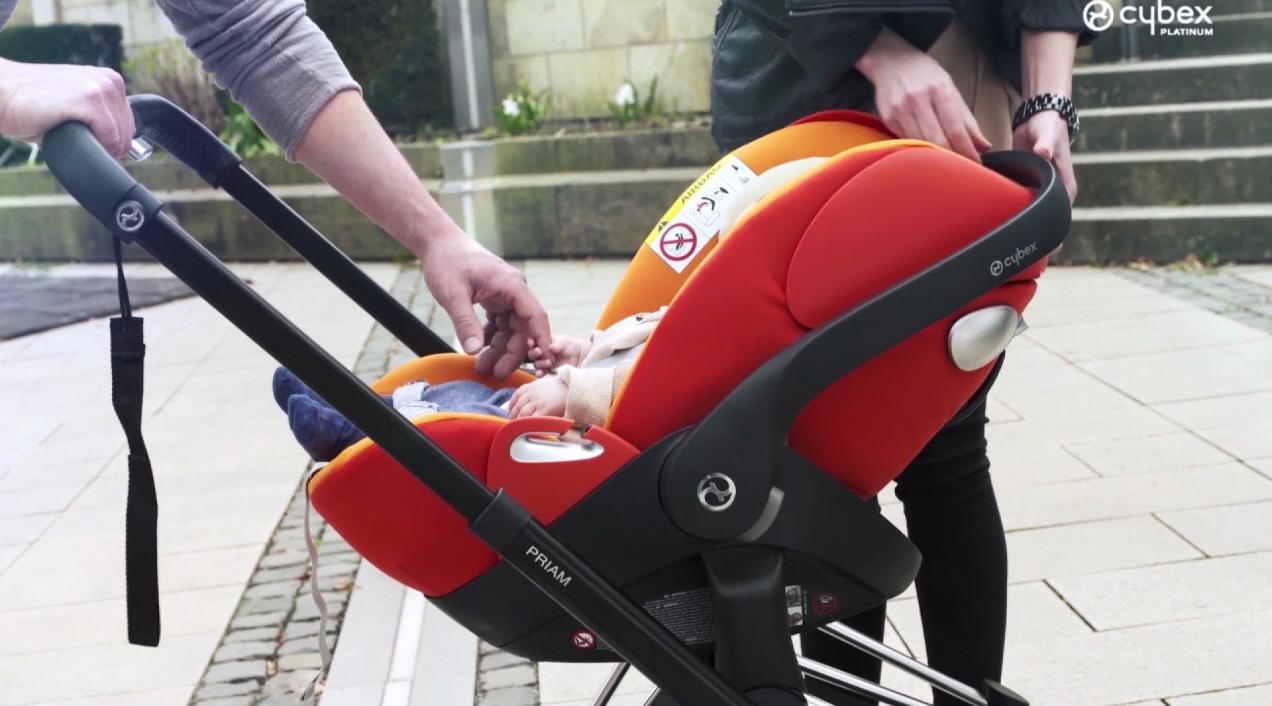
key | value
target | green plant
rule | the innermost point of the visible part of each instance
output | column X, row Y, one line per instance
column 93, row 45
column 243, row 135
column 170, row 70
column 521, row 112
column 628, row 106
column 394, row 50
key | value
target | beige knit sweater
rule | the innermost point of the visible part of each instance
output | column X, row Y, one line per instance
column 603, row 367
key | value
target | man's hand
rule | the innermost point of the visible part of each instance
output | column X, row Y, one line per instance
column 34, row 98
column 1047, row 135
column 917, row 99
column 544, row 397
column 460, row 273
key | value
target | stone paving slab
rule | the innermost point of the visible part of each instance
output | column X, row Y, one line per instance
column 225, row 468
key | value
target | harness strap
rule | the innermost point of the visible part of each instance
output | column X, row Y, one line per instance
column 127, row 374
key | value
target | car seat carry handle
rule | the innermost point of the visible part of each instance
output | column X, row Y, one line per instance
column 743, row 435
column 170, row 127
column 98, row 182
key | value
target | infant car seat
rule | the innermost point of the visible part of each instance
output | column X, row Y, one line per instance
column 834, row 297
column 860, row 213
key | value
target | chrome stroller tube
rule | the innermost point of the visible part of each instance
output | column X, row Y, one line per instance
column 904, row 662
column 856, row 685
column 611, row 684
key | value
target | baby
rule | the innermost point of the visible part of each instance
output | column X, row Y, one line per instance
column 578, row 380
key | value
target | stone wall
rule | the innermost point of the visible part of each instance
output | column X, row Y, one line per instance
column 143, row 22
column 579, row 51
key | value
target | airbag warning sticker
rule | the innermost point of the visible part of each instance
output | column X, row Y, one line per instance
column 694, row 219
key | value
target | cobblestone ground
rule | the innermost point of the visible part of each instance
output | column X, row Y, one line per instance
column 1223, row 291
column 269, row 653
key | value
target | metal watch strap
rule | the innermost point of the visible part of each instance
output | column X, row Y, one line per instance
column 1048, row 101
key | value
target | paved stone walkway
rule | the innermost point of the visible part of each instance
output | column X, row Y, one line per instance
column 226, row 471
column 1130, row 435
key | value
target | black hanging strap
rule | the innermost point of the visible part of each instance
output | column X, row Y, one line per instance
column 127, row 366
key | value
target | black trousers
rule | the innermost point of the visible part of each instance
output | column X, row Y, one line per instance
column 952, row 517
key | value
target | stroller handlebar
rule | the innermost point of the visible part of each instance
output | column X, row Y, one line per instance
column 185, row 138
column 87, row 172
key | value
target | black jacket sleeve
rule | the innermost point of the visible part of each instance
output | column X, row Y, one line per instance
column 1058, row 15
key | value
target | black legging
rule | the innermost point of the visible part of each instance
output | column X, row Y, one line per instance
column 952, row 517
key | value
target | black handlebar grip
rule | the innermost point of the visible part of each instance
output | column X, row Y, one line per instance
column 185, row 138
column 87, row 172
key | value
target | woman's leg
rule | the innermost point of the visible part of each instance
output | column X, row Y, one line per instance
column 829, row 651
column 952, row 517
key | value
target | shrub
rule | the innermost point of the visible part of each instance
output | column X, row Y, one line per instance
column 94, row 45
column 393, row 48
column 243, row 135
column 170, row 70
column 521, row 112
column 629, row 107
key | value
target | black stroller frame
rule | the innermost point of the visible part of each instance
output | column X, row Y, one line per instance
column 773, row 491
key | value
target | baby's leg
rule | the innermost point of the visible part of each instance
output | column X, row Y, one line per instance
column 467, row 396
column 321, row 431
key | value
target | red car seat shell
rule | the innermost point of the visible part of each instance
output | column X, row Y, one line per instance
column 876, row 212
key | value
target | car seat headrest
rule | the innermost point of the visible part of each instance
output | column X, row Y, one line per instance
column 763, row 185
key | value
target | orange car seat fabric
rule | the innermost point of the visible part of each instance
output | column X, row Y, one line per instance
column 395, row 521
column 862, row 222
column 683, row 237
column 445, row 367
column 548, row 489
column 877, row 211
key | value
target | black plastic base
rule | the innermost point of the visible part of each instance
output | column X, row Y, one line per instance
column 621, row 531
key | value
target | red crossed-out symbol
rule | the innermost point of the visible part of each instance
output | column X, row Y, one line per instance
column 678, row 242
column 583, row 640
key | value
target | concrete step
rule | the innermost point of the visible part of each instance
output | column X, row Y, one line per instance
column 1176, row 125
column 1189, row 80
column 1219, row 232
column 1175, row 177
column 1232, row 34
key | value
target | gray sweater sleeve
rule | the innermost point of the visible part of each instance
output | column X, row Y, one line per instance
column 269, row 55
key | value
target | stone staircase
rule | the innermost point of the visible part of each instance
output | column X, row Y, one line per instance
column 1175, row 156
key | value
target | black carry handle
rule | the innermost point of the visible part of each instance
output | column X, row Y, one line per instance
column 748, row 429
column 170, row 127
column 498, row 519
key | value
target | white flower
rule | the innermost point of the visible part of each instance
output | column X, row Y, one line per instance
column 626, row 95
column 511, row 108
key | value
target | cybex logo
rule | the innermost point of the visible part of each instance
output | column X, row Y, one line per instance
column 130, row 217
column 998, row 267
column 1098, row 15
column 716, row 492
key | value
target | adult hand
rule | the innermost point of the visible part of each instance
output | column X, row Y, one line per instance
column 1047, row 135
column 35, row 98
column 461, row 273
column 916, row 98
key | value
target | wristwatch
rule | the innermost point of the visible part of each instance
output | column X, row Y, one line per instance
column 1048, row 101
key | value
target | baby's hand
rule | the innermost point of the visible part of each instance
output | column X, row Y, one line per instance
column 544, row 397
column 564, row 350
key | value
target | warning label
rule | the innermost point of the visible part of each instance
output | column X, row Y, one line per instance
column 695, row 218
